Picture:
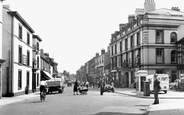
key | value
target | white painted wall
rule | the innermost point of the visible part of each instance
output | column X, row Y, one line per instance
column 25, row 48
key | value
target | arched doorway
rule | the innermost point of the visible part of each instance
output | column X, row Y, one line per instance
column 126, row 79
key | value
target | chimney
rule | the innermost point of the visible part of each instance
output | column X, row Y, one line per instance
column 149, row 5
column 121, row 27
column 102, row 51
column 139, row 11
column 175, row 9
column 130, row 18
column 97, row 54
column 41, row 52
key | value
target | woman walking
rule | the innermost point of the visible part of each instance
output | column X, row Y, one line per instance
column 75, row 88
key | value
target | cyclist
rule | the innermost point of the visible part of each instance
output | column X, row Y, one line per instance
column 43, row 85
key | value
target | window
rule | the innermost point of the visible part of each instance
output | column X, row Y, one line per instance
column 27, row 83
column 121, row 46
column 112, row 50
column 159, row 55
column 20, row 55
column 37, row 80
column 159, row 36
column 159, row 71
column 173, row 37
column 37, row 46
column 115, row 49
column 173, row 56
column 138, row 38
column 19, row 80
column 28, row 38
column 131, row 41
column 126, row 44
column 28, row 57
column 38, row 61
column 20, row 31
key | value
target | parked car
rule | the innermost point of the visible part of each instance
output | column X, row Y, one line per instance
column 174, row 85
column 108, row 88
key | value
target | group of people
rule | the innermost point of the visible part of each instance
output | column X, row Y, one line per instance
column 77, row 87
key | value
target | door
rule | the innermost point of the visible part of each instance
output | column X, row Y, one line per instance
column 126, row 79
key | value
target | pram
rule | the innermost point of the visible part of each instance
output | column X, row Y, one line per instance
column 83, row 91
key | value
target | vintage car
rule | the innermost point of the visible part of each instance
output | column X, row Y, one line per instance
column 178, row 84
column 174, row 85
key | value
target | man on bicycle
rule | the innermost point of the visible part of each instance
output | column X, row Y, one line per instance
column 43, row 85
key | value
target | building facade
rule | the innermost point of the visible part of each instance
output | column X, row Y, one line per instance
column 101, row 61
column 36, row 62
column 45, row 66
column 147, row 42
column 17, row 50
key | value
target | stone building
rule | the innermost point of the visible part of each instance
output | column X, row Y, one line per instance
column 147, row 42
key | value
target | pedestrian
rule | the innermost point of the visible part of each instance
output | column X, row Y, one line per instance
column 87, row 84
column 156, row 89
column 75, row 88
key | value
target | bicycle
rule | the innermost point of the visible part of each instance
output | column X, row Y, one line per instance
column 42, row 96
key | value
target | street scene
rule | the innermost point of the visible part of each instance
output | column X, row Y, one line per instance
column 67, row 104
column 121, row 102
column 95, row 57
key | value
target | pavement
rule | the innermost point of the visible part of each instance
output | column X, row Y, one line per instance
column 9, row 100
column 168, row 104
column 170, row 107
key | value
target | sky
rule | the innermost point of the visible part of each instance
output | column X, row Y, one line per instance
column 73, row 31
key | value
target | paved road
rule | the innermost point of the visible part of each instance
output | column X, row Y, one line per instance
column 68, row 104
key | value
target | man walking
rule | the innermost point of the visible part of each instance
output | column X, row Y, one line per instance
column 156, row 89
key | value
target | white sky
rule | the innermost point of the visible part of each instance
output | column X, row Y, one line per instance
column 74, row 30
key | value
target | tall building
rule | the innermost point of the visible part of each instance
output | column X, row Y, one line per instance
column 17, row 37
column 147, row 42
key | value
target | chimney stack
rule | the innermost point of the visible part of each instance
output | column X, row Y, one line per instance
column 102, row 51
column 149, row 5
column 97, row 54
column 175, row 9
column 130, row 18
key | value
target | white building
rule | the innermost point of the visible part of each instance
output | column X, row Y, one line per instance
column 17, row 51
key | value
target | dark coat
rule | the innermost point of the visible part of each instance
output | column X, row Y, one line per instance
column 156, row 85
column 76, row 85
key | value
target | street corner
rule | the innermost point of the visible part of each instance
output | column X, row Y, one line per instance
column 123, row 110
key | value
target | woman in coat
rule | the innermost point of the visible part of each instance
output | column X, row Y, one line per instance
column 75, row 88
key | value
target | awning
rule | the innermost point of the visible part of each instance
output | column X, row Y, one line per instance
column 46, row 75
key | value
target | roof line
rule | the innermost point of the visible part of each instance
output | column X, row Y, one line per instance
column 19, row 17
